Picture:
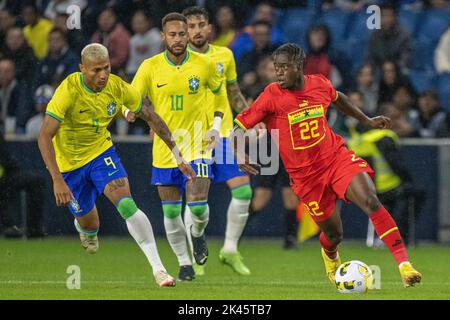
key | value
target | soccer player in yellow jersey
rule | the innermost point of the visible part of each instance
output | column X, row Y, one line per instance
column 225, row 168
column 78, row 152
column 177, row 81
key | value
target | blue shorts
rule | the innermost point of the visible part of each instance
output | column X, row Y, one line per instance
column 89, row 181
column 225, row 165
column 173, row 176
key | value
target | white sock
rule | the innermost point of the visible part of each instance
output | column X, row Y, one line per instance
column 176, row 235
column 199, row 223
column 141, row 230
column 237, row 216
column 188, row 223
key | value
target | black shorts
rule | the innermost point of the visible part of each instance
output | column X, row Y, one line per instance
column 270, row 182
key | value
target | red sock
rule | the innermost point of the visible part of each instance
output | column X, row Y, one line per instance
column 387, row 230
column 330, row 248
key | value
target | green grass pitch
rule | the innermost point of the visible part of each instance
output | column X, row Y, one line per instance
column 37, row 270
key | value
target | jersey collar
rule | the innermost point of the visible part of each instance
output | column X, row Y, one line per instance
column 173, row 64
column 85, row 86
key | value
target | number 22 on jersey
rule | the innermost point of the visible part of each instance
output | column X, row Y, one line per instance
column 307, row 127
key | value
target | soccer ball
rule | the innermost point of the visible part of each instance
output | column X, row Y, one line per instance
column 353, row 277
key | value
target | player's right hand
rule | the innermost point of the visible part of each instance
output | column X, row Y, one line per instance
column 130, row 116
column 253, row 169
column 187, row 170
column 62, row 193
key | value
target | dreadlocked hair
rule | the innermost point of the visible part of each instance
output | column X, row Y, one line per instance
column 294, row 52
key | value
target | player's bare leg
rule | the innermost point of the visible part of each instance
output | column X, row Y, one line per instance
column 175, row 229
column 197, row 202
column 87, row 226
column 290, row 203
column 261, row 198
column 361, row 192
column 330, row 237
column 237, row 216
column 118, row 192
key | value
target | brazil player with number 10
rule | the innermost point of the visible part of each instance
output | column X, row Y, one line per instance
column 176, row 81
column 77, row 149
column 224, row 167
column 321, row 169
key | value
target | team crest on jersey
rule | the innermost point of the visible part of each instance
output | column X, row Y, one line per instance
column 194, row 84
column 220, row 68
column 111, row 108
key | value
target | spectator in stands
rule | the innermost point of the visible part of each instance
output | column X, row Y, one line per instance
column 13, row 180
column 36, row 30
column 254, row 83
column 391, row 42
column 115, row 37
column 56, row 7
column 431, row 121
column 59, row 63
column 399, row 121
column 323, row 59
column 353, row 5
column 42, row 97
column 226, row 29
column 145, row 43
column 17, row 49
column 262, row 46
column 7, row 21
column 243, row 42
column 75, row 38
column 442, row 54
column 437, row 4
column 15, row 105
column 368, row 87
column 391, row 79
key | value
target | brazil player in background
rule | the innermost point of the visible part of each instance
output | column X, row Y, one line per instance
column 79, row 154
column 321, row 169
column 225, row 168
column 176, row 81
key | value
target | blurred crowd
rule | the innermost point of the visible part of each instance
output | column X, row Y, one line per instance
column 401, row 70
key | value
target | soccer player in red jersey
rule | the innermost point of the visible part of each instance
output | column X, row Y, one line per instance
column 321, row 169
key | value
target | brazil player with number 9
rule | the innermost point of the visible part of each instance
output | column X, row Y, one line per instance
column 79, row 154
column 176, row 82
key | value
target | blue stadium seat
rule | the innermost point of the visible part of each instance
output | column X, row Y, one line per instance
column 433, row 23
column 423, row 51
column 357, row 28
column 337, row 21
column 408, row 20
column 443, row 88
column 421, row 80
column 295, row 24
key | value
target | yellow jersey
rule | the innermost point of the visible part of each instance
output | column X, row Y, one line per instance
column 178, row 95
column 85, row 116
column 226, row 67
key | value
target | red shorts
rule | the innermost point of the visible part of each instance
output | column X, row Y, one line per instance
column 320, row 186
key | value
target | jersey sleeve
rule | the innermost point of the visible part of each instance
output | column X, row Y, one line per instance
column 231, row 74
column 142, row 81
column 330, row 89
column 259, row 110
column 60, row 102
column 131, row 98
column 214, row 78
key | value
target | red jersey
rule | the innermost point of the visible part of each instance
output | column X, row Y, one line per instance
column 305, row 140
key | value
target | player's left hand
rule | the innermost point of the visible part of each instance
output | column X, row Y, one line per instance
column 131, row 116
column 212, row 136
column 380, row 122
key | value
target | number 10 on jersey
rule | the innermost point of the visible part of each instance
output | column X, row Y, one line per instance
column 177, row 102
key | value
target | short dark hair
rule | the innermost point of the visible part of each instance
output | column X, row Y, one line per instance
column 61, row 32
column 292, row 50
column 262, row 22
column 196, row 11
column 173, row 16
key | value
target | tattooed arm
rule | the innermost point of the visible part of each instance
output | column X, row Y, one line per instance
column 160, row 128
column 236, row 98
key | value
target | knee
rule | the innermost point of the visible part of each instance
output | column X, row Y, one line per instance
column 198, row 208
column 335, row 237
column 372, row 203
column 243, row 192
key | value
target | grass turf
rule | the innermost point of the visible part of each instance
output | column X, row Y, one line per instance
column 37, row 270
